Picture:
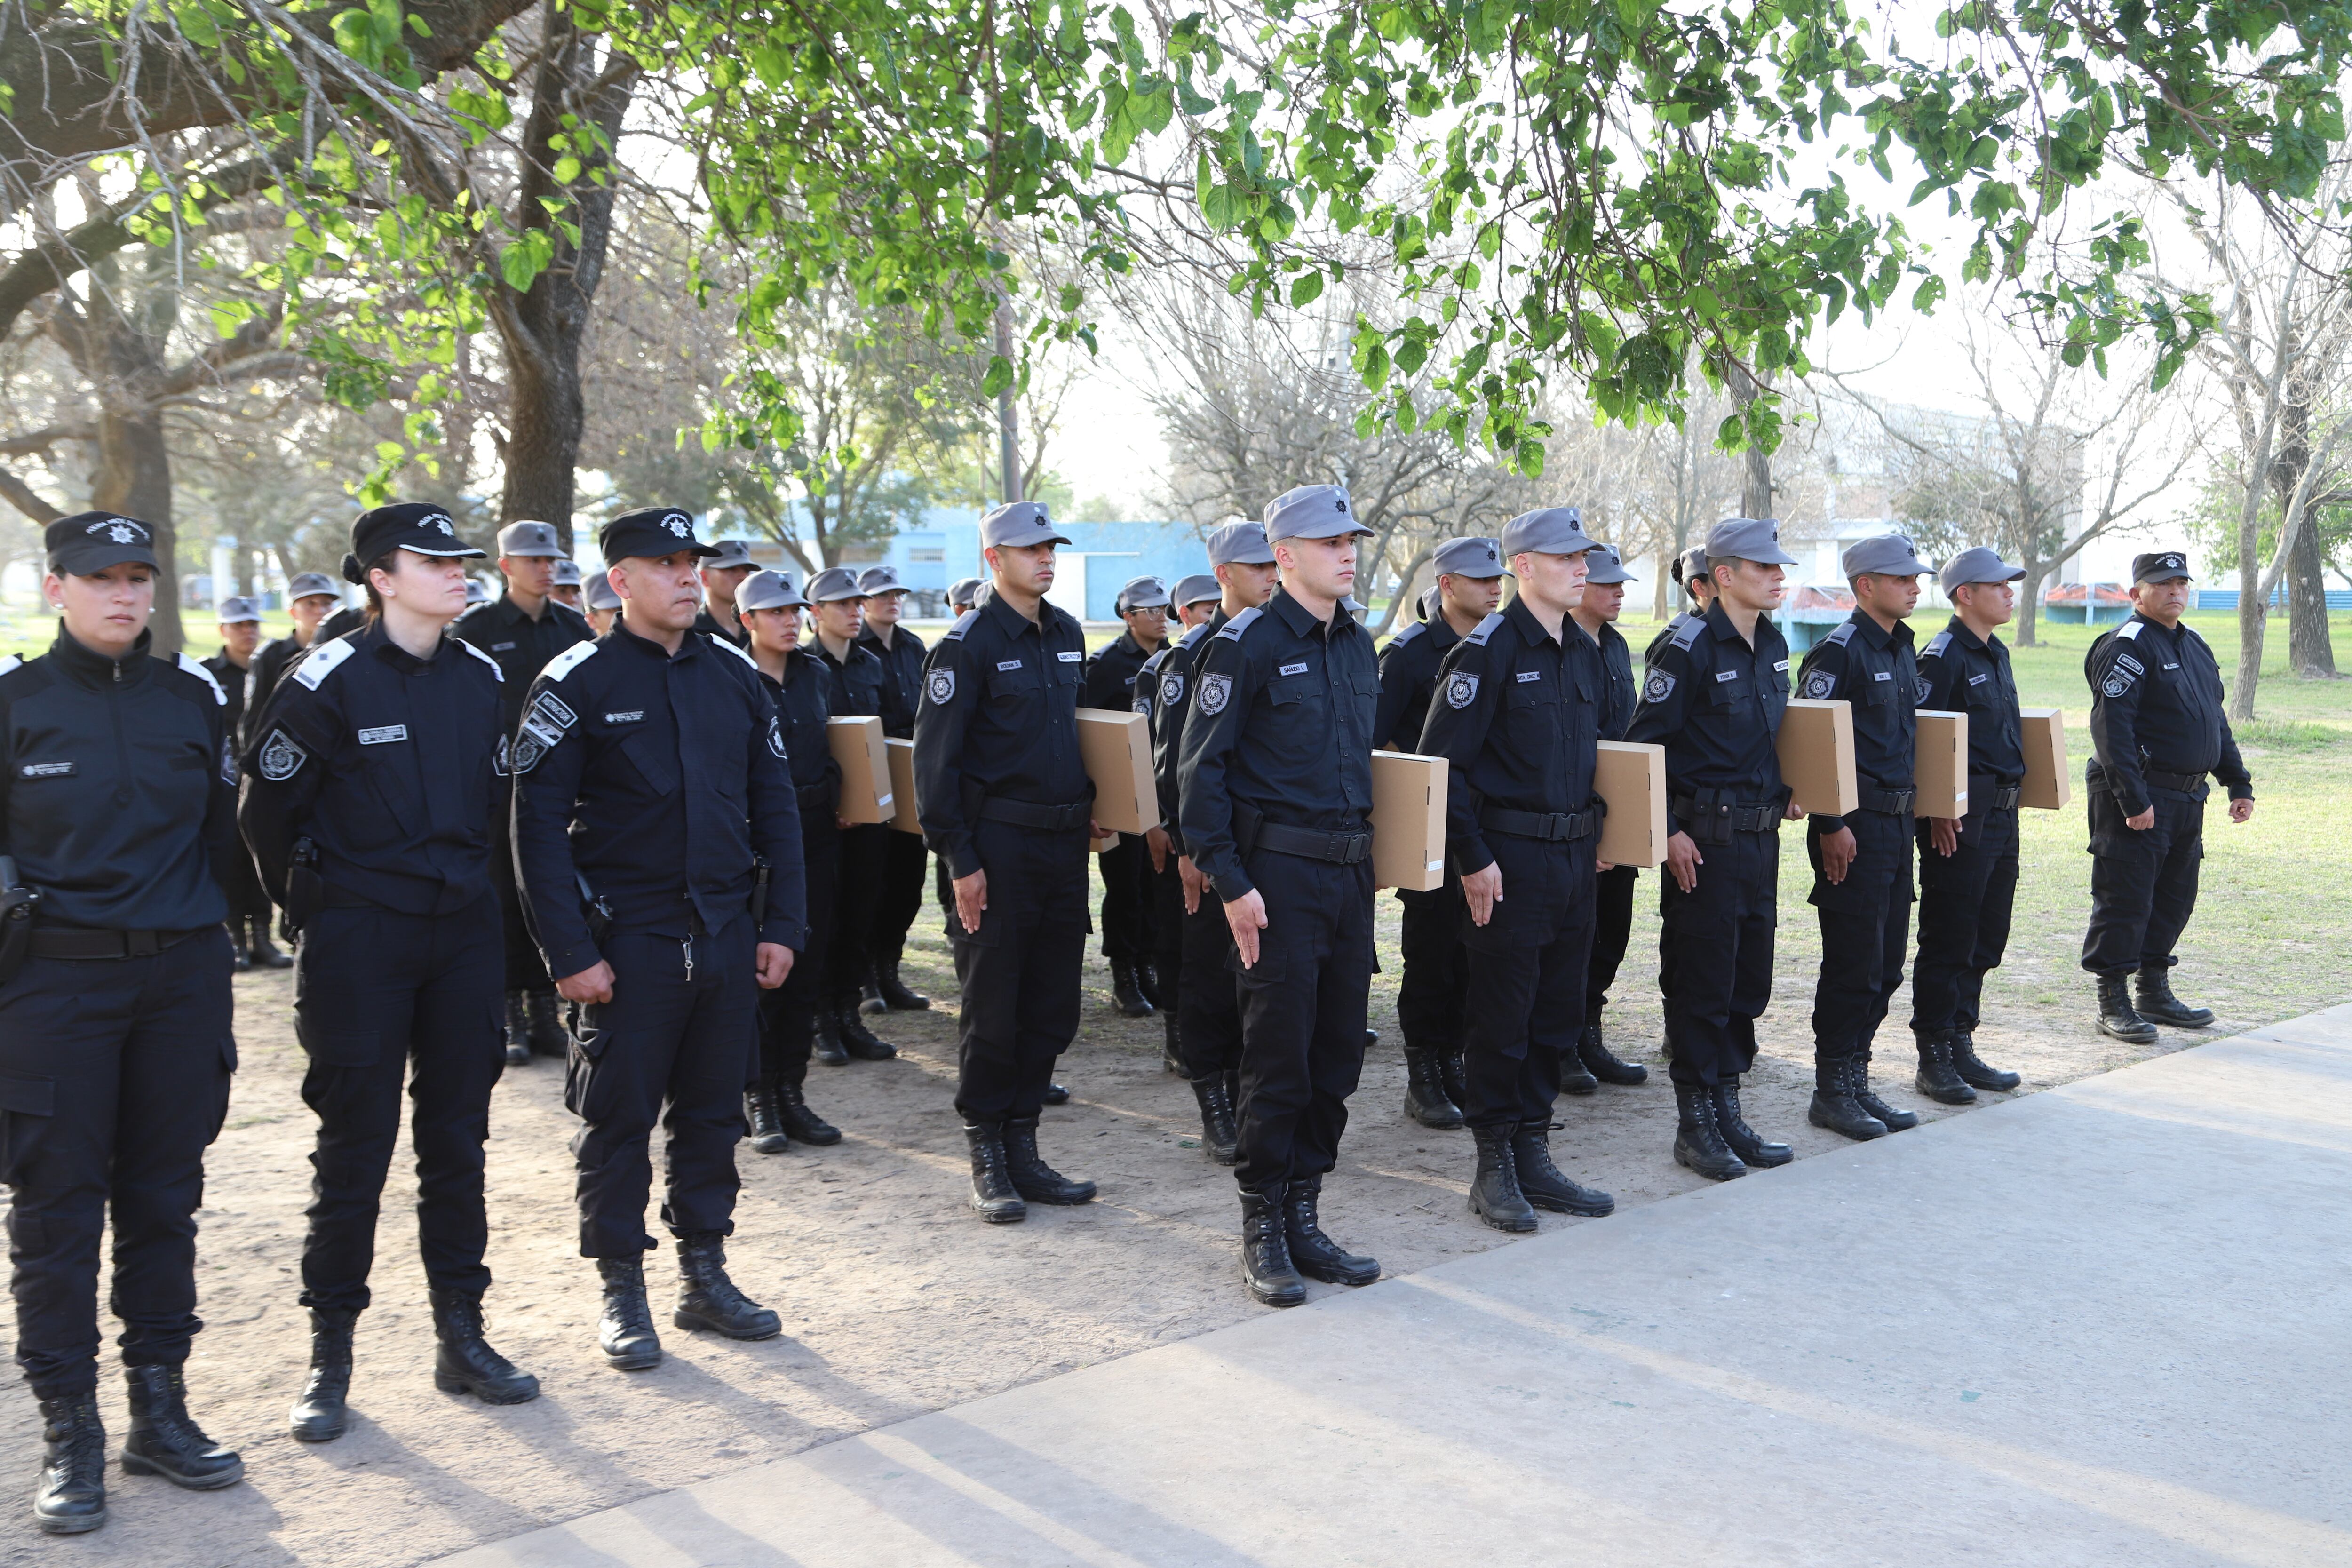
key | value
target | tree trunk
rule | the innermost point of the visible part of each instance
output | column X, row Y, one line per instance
column 2029, row 602
column 2251, row 611
column 2308, row 649
column 1755, row 477
column 134, row 477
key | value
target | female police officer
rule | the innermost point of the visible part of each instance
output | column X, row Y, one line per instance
column 368, row 812
column 115, row 1052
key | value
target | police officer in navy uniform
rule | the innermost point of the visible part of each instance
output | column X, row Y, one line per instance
column 249, row 912
column 1208, row 1007
column 651, row 781
column 883, row 633
column 722, row 573
column 1111, row 674
column 1275, row 785
column 520, row 630
column 1713, row 697
column 1006, row 801
column 1861, row 863
column 118, row 811
column 862, row 686
column 801, row 685
column 571, row 585
column 1596, row 613
column 1433, row 991
column 2160, row 731
column 1968, row 866
column 310, row 598
column 1163, row 880
column 369, row 806
column 604, row 606
column 1689, row 570
column 1517, row 719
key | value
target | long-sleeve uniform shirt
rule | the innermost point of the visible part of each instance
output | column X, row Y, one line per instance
column 520, row 645
column 118, row 792
column 2157, row 708
column 1624, row 691
column 862, row 688
column 656, row 778
column 1714, row 702
column 1111, row 674
column 1872, row 670
column 1161, row 689
column 803, row 701
column 1959, row 672
column 1516, row 717
column 389, row 765
column 1409, row 662
column 998, row 721
column 270, row 662
column 902, row 661
column 1283, row 709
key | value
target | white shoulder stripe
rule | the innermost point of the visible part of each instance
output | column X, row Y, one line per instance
column 486, row 658
column 569, row 659
column 739, row 653
column 9, row 663
column 320, row 661
column 197, row 669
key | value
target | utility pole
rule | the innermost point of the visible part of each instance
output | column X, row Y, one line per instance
column 1008, row 420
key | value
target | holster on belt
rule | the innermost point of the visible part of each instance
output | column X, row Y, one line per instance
column 306, row 891
column 595, row 912
column 19, row 905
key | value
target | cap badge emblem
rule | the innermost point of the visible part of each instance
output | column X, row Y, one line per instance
column 677, row 523
column 123, row 533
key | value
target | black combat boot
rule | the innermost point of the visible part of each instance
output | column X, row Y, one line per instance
column 1313, row 1253
column 1426, row 1099
column 1974, row 1070
column 72, row 1497
column 1124, row 993
column 2117, row 1017
column 827, row 1048
column 800, row 1124
column 322, row 1414
column 240, row 957
column 1857, row 1080
column 1453, row 1076
column 993, row 1194
column 1574, row 1077
column 625, row 1330
column 164, row 1439
column 1544, row 1185
column 1148, row 981
column 265, row 955
column 870, row 997
column 518, row 1029
column 463, row 1361
column 1936, row 1079
column 1833, row 1106
column 707, row 1298
column 1220, row 1138
column 1698, row 1143
column 2154, row 1001
column 1495, row 1194
column 857, row 1039
column 548, row 1037
column 1057, row 1095
column 1266, row 1267
column 1603, row 1064
column 1032, row 1178
column 1731, row 1126
column 768, row 1134
column 1171, row 1045
column 893, row 990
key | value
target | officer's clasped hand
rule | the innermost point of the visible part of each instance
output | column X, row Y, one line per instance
column 592, row 984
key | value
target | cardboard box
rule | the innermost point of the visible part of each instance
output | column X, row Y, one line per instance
column 902, row 784
column 2047, row 782
column 865, row 791
column 1117, row 751
column 1816, row 745
column 1107, row 841
column 1408, row 821
column 1939, row 767
column 1632, row 778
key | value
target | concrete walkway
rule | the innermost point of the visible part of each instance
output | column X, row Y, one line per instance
column 2107, row 1324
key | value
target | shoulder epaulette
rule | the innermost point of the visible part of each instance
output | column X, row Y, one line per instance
column 1935, row 646
column 1411, row 632
column 569, row 659
column 1232, row 630
column 964, row 625
column 1841, row 634
column 1687, row 633
column 9, row 663
column 486, row 658
column 196, row 666
column 1151, row 665
column 1195, row 635
column 720, row 642
column 321, row 662
column 1485, row 629
column 2130, row 629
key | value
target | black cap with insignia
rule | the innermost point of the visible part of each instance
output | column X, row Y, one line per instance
column 89, row 543
column 2159, row 566
column 650, row 532
column 417, row 526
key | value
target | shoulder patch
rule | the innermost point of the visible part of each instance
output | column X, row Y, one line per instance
column 964, row 625
column 1820, row 684
column 739, row 653
column 2130, row 629
column 564, row 663
column 1687, row 633
column 1482, row 631
column 1417, row 630
column 940, row 684
column 486, row 658
column 1232, row 630
column 321, row 662
column 1935, row 646
column 197, row 669
column 1658, row 688
column 1460, row 688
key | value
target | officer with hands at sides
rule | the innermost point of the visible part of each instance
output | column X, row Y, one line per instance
column 310, row 598
column 801, row 687
column 1005, row 802
column 249, row 912
column 568, row 584
column 604, row 606
column 1596, row 613
column 862, row 686
column 369, row 802
column 1432, row 995
column 1517, row 717
column 2160, row 730
column 1163, row 880
column 1714, row 696
column 1111, row 674
column 1861, row 863
column 1276, row 784
column 883, row 633
column 519, row 631
column 722, row 574
column 651, row 785
column 1968, row 866
column 118, row 814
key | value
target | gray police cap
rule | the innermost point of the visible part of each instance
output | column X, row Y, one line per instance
column 877, row 580
column 1695, row 564
column 1756, row 539
column 477, row 592
column 1887, row 555
column 1552, row 531
column 729, row 553
column 521, row 539
column 1976, row 565
column 1604, row 567
column 1311, row 511
column 962, row 594
column 1018, row 523
column 598, row 592
column 1240, row 544
column 1142, row 594
column 834, row 582
column 1468, row 557
column 235, row 608
column 769, row 591
column 1192, row 589
column 567, row 573
column 306, row 584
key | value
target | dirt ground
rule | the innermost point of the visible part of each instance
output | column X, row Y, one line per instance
column 894, row 1299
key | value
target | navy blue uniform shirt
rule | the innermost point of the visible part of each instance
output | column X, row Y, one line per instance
column 1111, row 674
column 1166, row 698
column 520, row 645
column 1409, row 662
column 803, row 701
column 1871, row 668
column 2156, row 702
column 1961, row 673
column 1715, row 703
column 1624, row 692
column 902, row 661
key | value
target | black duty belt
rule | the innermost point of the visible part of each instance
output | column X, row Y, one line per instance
column 1340, row 849
column 1894, row 802
column 88, row 943
column 1551, row 827
column 2186, row 784
column 1044, row 818
column 1990, row 793
column 1736, row 815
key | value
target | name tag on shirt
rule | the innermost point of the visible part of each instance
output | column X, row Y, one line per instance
column 1780, row 664
column 1979, row 679
column 385, row 736
column 45, row 770
column 2172, row 667
column 1066, row 657
column 1009, row 664
column 1292, row 669
column 1527, row 674
column 503, row 647
column 629, row 718
column 1726, row 675
column 1880, row 674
